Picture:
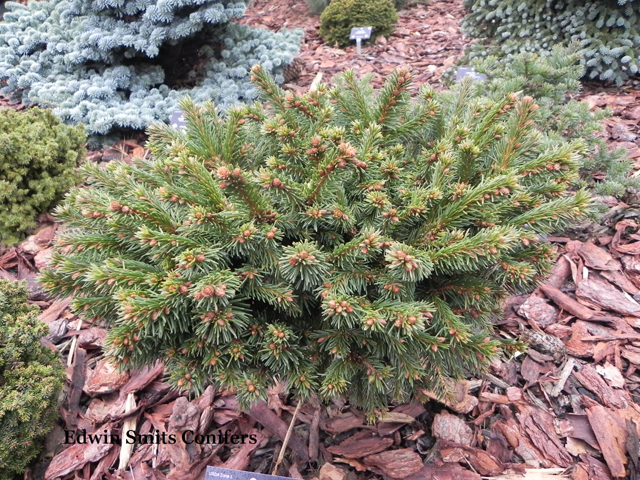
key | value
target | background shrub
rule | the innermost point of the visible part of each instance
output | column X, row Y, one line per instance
column 400, row 4
column 608, row 32
column 341, row 16
column 345, row 242
column 552, row 80
column 30, row 378
column 317, row 6
column 38, row 158
column 115, row 65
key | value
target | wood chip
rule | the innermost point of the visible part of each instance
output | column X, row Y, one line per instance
column 448, row 471
column 567, row 303
column 538, row 425
column 314, row 435
column 611, row 374
column 390, row 424
column 539, row 311
column 396, row 463
column 514, row 394
column 604, row 294
column 343, row 423
column 77, row 384
column 578, row 426
column 55, row 310
column 141, row 379
column 107, row 462
column 494, row 398
column 331, row 472
column 616, row 242
column 593, row 382
column 451, row 428
column 597, row 469
column 460, row 401
column 497, row 446
column 532, row 370
column 576, row 346
column 481, row 461
column 521, row 444
column 104, row 379
column 239, row 460
column 361, row 444
column 611, row 434
column 619, row 279
column 75, row 457
column 89, row 338
column 535, row 474
column 263, row 415
column 598, row 258
column 185, row 416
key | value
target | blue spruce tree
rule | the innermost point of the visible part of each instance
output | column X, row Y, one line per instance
column 120, row 64
column 607, row 32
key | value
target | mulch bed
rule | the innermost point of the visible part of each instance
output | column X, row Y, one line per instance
column 623, row 128
column 427, row 38
column 565, row 409
column 568, row 405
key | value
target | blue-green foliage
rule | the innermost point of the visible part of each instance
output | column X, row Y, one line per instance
column 551, row 80
column 102, row 63
column 608, row 31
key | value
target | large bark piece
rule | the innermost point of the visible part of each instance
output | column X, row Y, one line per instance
column 396, row 463
column 265, row 416
column 612, row 435
column 361, row 444
column 607, row 296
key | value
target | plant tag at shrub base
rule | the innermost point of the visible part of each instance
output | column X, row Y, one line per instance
column 464, row 72
column 362, row 33
column 215, row 473
column 177, row 120
column 358, row 34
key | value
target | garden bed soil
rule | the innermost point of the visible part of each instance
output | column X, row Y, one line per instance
column 427, row 39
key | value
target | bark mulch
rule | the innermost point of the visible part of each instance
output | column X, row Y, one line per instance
column 427, row 38
column 567, row 405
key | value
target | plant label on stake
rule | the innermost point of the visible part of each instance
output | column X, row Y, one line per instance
column 215, row 473
column 358, row 34
column 177, row 120
column 464, row 72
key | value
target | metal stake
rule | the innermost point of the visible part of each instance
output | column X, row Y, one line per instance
column 359, row 46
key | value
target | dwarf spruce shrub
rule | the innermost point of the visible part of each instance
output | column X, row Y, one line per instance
column 31, row 377
column 608, row 31
column 120, row 65
column 551, row 80
column 317, row 6
column 38, row 160
column 341, row 16
column 346, row 241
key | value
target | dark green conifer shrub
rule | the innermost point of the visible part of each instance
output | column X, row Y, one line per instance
column 317, row 6
column 341, row 16
column 608, row 31
column 345, row 242
column 38, row 160
column 31, row 376
column 551, row 80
